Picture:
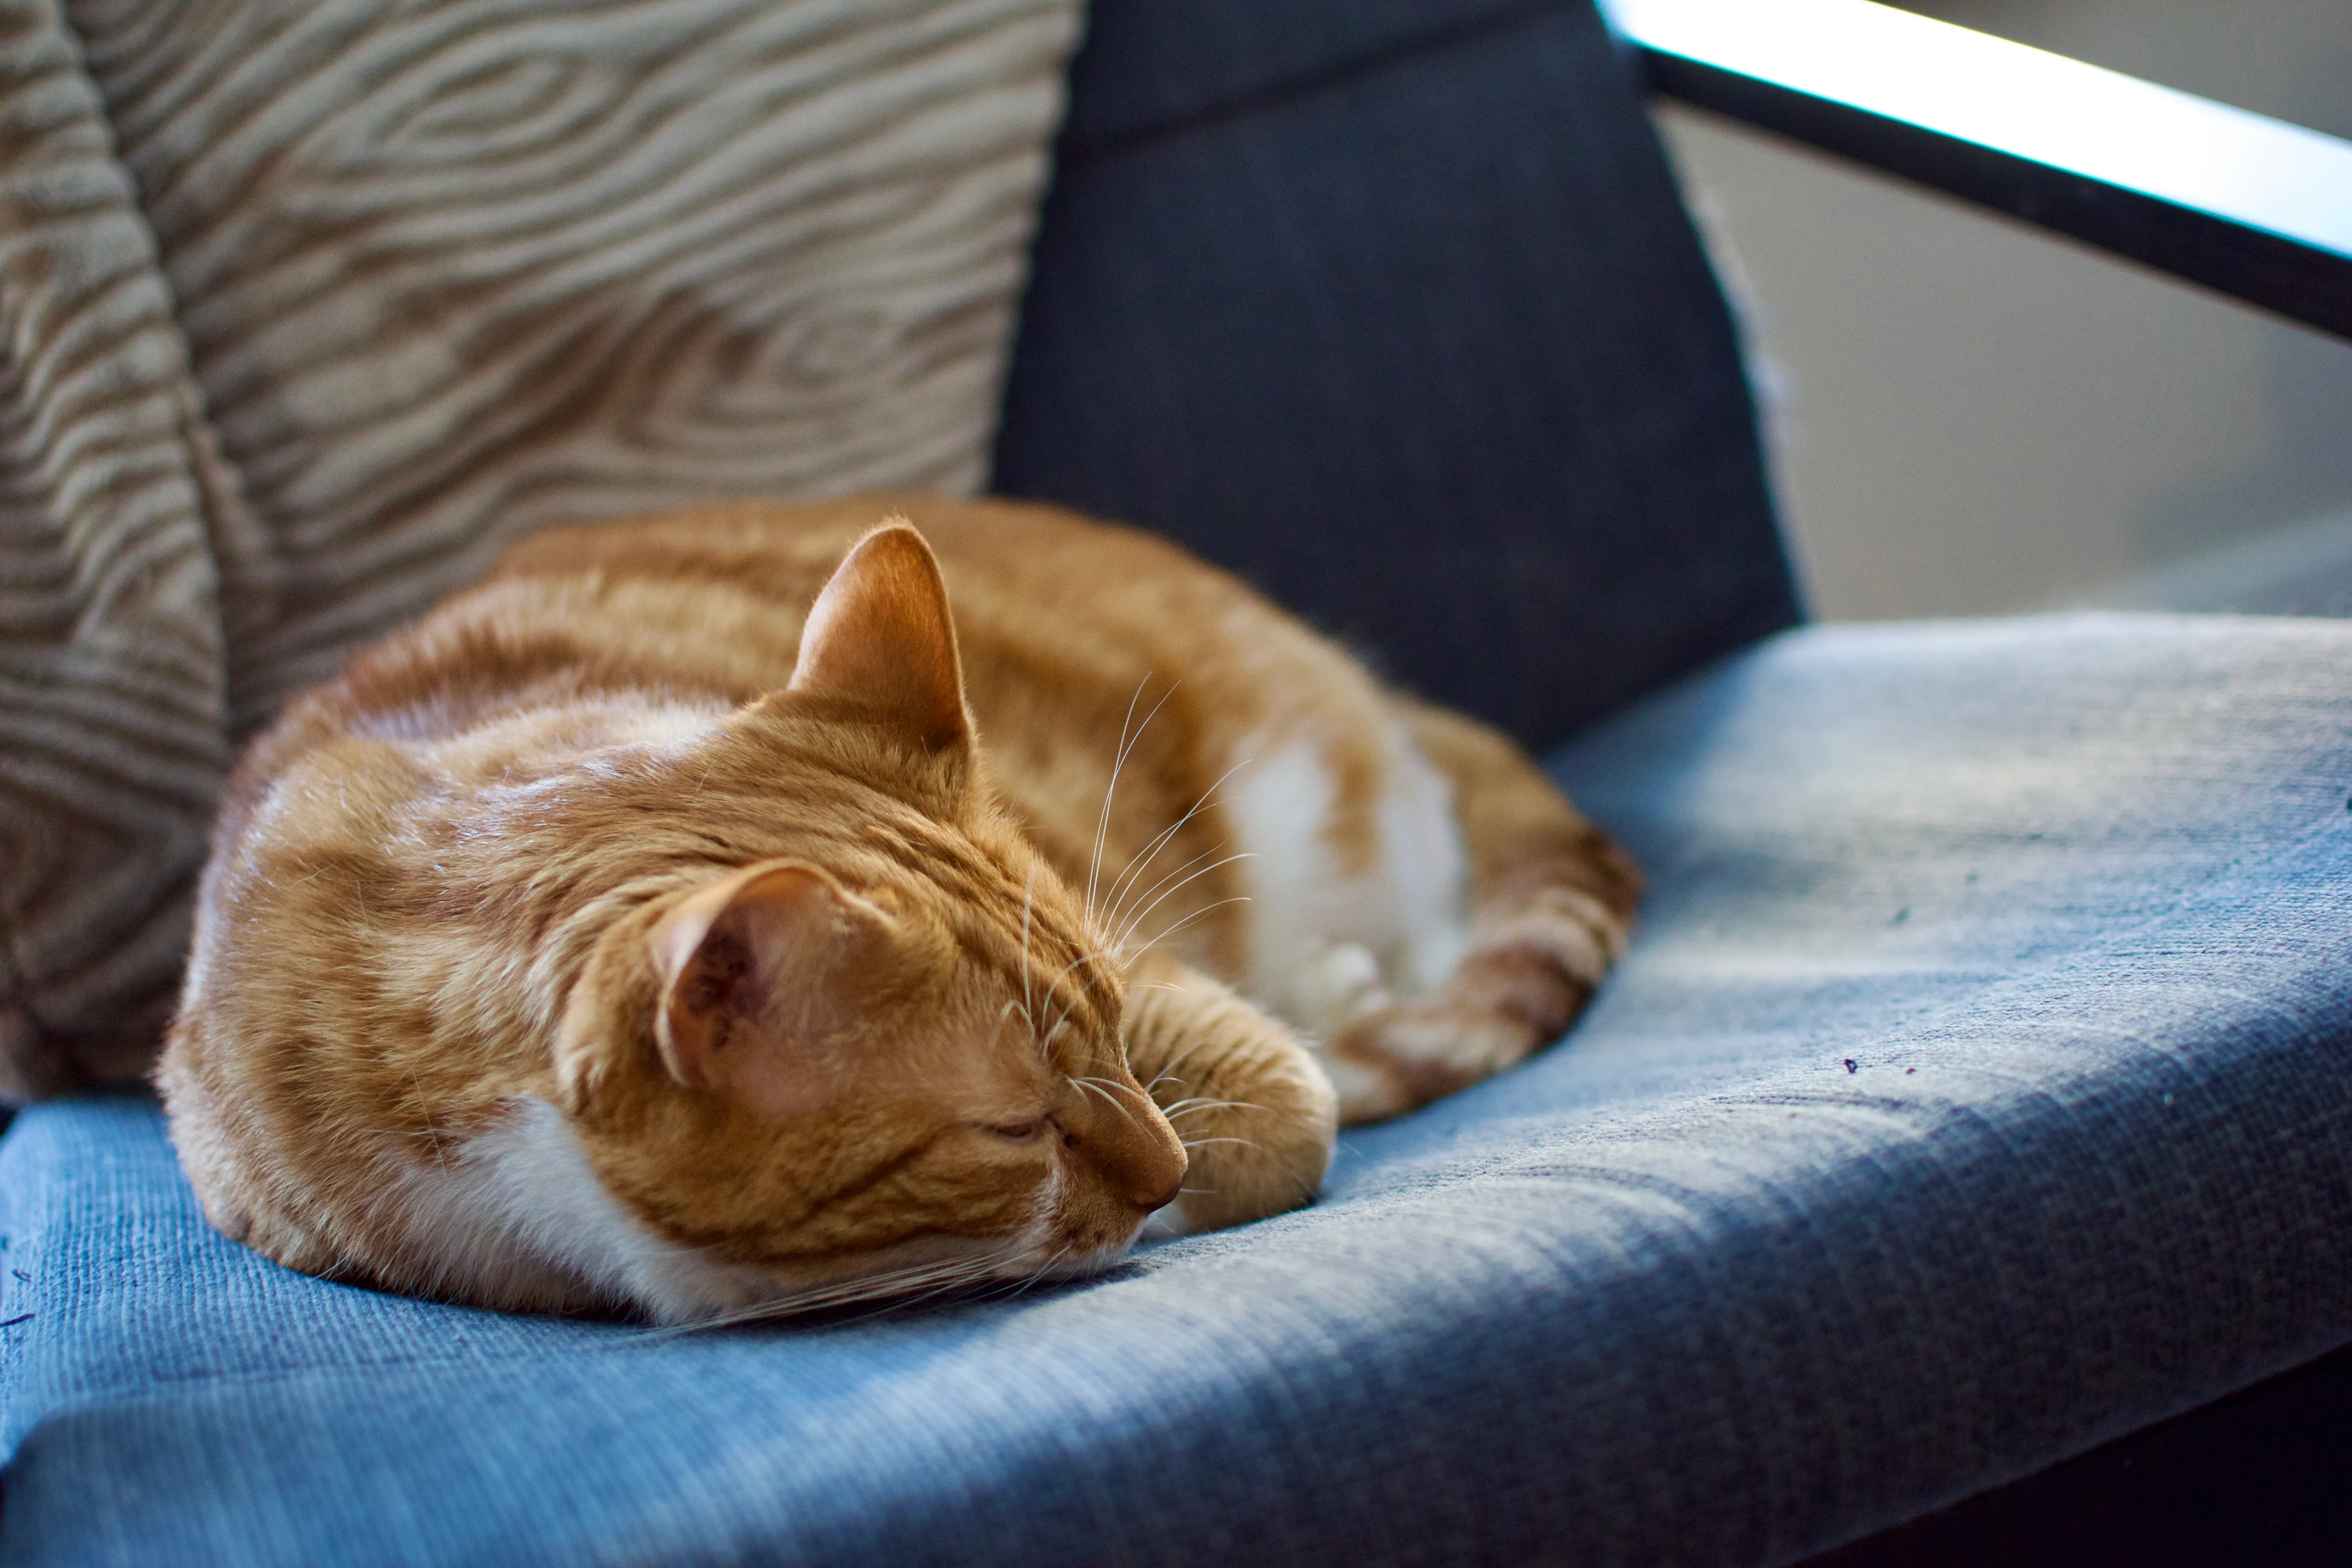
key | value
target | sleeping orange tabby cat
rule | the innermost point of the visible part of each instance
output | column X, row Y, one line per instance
column 648, row 929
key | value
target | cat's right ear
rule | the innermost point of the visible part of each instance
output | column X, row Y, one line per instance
column 879, row 638
column 752, row 995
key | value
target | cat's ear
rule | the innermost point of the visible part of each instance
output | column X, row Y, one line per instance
column 879, row 638
column 753, row 970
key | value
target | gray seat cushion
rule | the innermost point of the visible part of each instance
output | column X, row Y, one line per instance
column 1977, row 1089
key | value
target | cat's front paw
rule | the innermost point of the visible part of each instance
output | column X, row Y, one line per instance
column 1259, row 1141
column 1497, row 1007
column 1253, row 1109
column 1337, row 985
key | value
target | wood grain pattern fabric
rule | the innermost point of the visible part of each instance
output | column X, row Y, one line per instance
column 399, row 283
column 112, row 738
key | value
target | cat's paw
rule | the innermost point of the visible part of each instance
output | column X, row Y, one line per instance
column 1259, row 1143
column 1500, row 1004
column 1253, row 1109
column 1389, row 1062
column 1339, row 984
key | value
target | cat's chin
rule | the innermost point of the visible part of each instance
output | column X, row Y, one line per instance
column 521, row 1222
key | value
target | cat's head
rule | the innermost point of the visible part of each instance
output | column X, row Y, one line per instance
column 878, row 1049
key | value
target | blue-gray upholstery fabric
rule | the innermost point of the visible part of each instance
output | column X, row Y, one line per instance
column 1391, row 306
column 1978, row 1088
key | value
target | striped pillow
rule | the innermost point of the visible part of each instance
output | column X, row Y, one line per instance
column 311, row 309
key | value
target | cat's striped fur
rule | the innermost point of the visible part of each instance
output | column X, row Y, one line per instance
column 630, row 933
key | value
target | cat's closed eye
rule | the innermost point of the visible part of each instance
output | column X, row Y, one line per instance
column 1018, row 1132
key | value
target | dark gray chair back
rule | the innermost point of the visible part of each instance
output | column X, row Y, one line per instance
column 1392, row 307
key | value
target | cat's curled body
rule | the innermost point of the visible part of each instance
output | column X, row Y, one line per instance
column 675, row 923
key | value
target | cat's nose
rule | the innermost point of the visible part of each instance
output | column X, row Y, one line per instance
column 1134, row 1153
column 1148, row 1167
column 1165, row 1198
column 1154, row 1180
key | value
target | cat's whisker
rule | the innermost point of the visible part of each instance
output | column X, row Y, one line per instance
column 758, row 1312
column 1102, row 821
column 1004, row 1016
column 842, row 1293
column 1113, row 1083
column 1179, row 925
column 1096, row 1085
column 906, row 1303
column 1202, row 1142
column 1102, row 1094
column 1028, row 898
column 1127, row 931
column 1070, row 1005
column 1167, row 1070
column 846, row 1292
column 1150, row 851
column 1120, row 896
column 1217, row 848
column 1196, row 1110
column 1081, row 959
column 1061, row 1020
column 1143, row 915
column 1118, row 764
column 1043, row 1270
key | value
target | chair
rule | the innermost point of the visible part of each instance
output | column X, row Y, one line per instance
column 1973, row 1095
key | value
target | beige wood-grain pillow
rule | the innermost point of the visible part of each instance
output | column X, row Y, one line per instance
column 357, row 293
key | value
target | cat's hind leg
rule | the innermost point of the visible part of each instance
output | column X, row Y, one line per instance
column 1254, row 1112
column 1552, row 904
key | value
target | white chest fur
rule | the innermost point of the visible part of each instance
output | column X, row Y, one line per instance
column 516, row 1213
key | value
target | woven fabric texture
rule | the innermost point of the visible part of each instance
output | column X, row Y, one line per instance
column 1975, row 1091
column 1391, row 306
column 309, row 309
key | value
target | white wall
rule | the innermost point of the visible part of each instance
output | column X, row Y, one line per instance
column 1970, row 416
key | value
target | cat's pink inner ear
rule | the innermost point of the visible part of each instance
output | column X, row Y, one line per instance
column 749, row 970
column 880, row 638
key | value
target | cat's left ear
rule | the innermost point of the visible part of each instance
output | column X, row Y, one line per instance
column 757, row 974
column 880, row 638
